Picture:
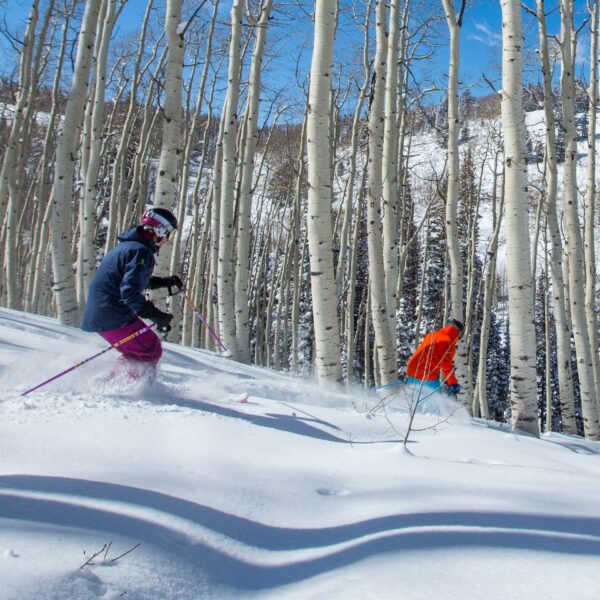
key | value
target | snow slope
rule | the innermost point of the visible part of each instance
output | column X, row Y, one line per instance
column 297, row 493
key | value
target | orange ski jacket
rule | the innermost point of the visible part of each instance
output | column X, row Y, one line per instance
column 435, row 354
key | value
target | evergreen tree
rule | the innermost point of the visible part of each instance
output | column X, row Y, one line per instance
column 406, row 316
column 433, row 269
column 467, row 106
column 440, row 123
column 465, row 132
column 498, row 370
column 581, row 126
column 582, row 100
column 533, row 97
column 361, row 288
column 560, row 133
column 535, row 150
column 542, row 297
column 469, row 236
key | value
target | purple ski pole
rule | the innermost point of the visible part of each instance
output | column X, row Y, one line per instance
column 203, row 321
column 87, row 360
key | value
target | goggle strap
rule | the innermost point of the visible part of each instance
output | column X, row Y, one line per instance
column 154, row 216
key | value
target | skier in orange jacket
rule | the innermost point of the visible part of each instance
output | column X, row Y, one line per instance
column 435, row 356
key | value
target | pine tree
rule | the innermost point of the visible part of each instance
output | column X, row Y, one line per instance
column 406, row 316
column 440, row 123
column 434, row 270
column 498, row 370
column 560, row 132
column 469, row 236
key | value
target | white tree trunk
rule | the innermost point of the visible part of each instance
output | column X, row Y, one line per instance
column 489, row 281
column 8, row 178
column 455, row 305
column 66, row 151
column 166, row 191
column 87, row 221
column 190, row 143
column 574, row 245
column 39, row 251
column 560, row 301
column 390, row 165
column 319, row 225
column 242, row 313
column 119, row 163
column 382, row 314
column 518, row 260
column 225, row 274
column 590, row 201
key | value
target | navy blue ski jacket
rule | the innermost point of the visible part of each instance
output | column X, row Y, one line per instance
column 116, row 292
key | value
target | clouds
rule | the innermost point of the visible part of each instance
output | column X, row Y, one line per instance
column 485, row 35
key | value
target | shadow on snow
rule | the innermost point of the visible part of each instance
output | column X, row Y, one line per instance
column 395, row 533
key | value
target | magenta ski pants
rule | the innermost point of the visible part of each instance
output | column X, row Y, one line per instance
column 145, row 348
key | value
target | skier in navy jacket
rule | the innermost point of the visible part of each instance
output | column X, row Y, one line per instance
column 116, row 302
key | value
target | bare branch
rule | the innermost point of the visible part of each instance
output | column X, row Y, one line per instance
column 194, row 14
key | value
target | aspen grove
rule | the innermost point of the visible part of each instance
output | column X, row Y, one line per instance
column 341, row 190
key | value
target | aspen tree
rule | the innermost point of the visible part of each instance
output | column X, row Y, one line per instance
column 299, row 249
column 190, row 142
column 9, row 202
column 574, row 243
column 349, row 237
column 381, row 314
column 250, row 139
column 137, row 181
column 119, row 162
column 547, row 337
column 560, row 301
column 87, row 221
column 352, row 270
column 319, row 224
column 455, row 308
column 38, row 258
column 518, row 259
column 66, row 151
column 29, row 211
column 229, row 125
column 402, row 152
column 200, row 277
column 590, row 199
column 389, row 166
column 455, row 304
column 480, row 400
column 165, row 192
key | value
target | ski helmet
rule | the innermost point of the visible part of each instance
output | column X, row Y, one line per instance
column 456, row 323
column 160, row 221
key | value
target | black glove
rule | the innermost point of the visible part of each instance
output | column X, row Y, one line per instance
column 173, row 281
column 162, row 319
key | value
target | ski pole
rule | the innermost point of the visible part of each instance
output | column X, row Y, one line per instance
column 87, row 360
column 387, row 385
column 203, row 320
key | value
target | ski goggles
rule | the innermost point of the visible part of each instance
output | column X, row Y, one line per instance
column 159, row 224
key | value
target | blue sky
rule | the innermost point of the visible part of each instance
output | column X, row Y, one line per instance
column 481, row 40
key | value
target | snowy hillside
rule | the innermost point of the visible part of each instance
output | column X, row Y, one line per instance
column 295, row 493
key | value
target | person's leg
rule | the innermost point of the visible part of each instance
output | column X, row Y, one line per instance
column 142, row 352
column 424, row 392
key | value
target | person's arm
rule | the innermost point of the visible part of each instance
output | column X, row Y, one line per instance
column 136, row 277
column 447, row 365
column 173, row 284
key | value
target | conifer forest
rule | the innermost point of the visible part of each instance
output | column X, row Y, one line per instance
column 342, row 184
